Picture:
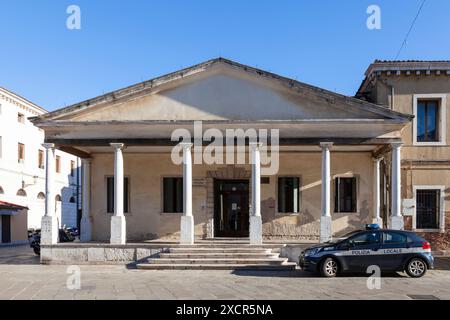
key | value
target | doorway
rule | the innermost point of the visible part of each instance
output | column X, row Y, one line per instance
column 6, row 229
column 231, row 208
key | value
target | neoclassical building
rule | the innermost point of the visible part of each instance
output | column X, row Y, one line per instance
column 327, row 180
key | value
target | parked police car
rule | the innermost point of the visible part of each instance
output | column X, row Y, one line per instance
column 391, row 250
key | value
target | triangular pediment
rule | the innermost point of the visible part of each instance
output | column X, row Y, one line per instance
column 222, row 90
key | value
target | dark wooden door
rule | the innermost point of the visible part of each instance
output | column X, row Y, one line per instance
column 231, row 208
column 6, row 229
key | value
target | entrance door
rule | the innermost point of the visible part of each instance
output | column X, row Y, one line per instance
column 231, row 208
column 6, row 229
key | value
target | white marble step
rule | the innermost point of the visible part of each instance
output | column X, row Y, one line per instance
column 153, row 266
column 220, row 250
column 200, row 255
column 272, row 261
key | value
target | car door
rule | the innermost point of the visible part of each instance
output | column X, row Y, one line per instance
column 393, row 249
column 364, row 249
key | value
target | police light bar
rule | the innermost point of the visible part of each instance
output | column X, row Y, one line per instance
column 372, row 226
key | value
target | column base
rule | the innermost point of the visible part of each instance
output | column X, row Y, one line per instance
column 396, row 223
column 325, row 229
column 255, row 230
column 49, row 230
column 378, row 221
column 118, row 230
column 187, row 230
column 86, row 229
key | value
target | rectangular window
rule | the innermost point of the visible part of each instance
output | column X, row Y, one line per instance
column 72, row 168
column 288, row 194
column 20, row 118
column 173, row 194
column 345, row 195
column 427, row 209
column 110, row 194
column 41, row 159
column 428, row 120
column 58, row 164
column 21, row 153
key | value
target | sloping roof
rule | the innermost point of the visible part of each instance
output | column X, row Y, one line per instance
column 10, row 206
column 150, row 85
column 399, row 66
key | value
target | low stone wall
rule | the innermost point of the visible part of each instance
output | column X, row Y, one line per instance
column 98, row 253
column 292, row 251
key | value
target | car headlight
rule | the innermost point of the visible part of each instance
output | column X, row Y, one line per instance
column 312, row 252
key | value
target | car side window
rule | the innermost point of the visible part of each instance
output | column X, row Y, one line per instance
column 394, row 238
column 365, row 238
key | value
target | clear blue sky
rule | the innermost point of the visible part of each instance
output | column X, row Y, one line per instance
column 324, row 43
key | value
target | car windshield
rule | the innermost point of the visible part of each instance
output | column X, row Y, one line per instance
column 344, row 236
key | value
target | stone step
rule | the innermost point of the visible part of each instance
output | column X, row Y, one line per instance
column 273, row 261
column 289, row 266
column 200, row 255
column 229, row 245
column 220, row 250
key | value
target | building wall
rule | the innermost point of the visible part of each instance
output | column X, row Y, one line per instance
column 28, row 175
column 146, row 220
column 19, row 227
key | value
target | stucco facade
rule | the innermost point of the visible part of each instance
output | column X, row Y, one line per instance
column 147, row 221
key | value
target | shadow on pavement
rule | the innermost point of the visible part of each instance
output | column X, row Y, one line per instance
column 304, row 274
column 18, row 255
column 442, row 263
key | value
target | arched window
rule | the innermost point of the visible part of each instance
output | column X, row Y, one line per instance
column 58, row 198
column 41, row 196
column 1, row 190
column 72, row 200
column 21, row 193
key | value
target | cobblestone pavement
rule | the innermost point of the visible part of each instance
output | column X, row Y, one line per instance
column 22, row 277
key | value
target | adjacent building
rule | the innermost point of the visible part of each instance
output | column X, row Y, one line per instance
column 22, row 165
column 420, row 88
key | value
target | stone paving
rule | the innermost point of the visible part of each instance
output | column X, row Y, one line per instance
column 22, row 277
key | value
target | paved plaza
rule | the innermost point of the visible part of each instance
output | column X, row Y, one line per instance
column 22, row 277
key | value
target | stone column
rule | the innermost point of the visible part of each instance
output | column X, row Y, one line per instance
column 187, row 219
column 255, row 217
column 376, row 192
column 118, row 223
column 396, row 220
column 325, row 219
column 86, row 219
column 49, row 223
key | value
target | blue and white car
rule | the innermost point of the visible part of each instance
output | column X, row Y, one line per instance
column 390, row 250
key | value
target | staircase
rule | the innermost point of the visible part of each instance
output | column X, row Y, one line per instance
column 220, row 256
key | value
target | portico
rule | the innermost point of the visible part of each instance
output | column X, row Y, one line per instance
column 328, row 154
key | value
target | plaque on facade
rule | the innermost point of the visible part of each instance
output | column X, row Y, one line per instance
column 408, row 206
column 199, row 182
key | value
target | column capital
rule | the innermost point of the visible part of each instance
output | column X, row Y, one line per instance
column 377, row 159
column 86, row 160
column 117, row 145
column 186, row 145
column 326, row 145
column 48, row 145
column 396, row 144
column 255, row 145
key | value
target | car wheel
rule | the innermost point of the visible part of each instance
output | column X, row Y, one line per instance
column 329, row 268
column 416, row 268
